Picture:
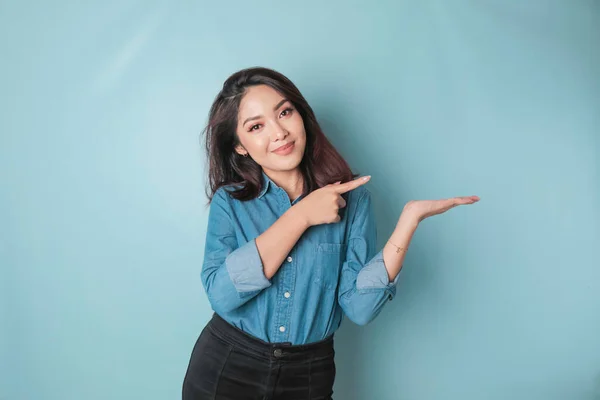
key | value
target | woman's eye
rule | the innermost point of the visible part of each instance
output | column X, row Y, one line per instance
column 255, row 127
column 287, row 112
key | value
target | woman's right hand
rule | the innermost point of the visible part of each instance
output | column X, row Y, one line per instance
column 322, row 205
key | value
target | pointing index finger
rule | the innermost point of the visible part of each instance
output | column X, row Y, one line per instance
column 351, row 185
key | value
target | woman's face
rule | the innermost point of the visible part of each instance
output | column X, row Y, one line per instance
column 270, row 129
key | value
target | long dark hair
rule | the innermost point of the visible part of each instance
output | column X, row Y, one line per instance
column 320, row 165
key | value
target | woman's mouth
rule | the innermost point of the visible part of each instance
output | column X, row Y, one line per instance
column 285, row 150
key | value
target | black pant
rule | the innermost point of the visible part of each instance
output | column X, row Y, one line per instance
column 227, row 363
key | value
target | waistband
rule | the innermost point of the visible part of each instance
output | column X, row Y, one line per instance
column 257, row 347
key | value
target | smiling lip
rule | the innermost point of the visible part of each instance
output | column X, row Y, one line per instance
column 286, row 149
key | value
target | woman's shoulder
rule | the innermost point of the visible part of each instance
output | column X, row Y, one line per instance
column 358, row 201
column 360, row 194
column 223, row 193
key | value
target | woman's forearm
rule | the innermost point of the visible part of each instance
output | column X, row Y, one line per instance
column 277, row 241
column 395, row 248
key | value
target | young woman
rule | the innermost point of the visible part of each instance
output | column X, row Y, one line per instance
column 290, row 247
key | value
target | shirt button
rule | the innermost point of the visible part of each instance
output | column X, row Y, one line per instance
column 287, row 295
column 282, row 329
column 289, row 259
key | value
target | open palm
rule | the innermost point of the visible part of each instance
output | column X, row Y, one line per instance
column 426, row 208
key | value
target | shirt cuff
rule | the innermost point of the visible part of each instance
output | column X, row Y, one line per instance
column 246, row 269
column 374, row 275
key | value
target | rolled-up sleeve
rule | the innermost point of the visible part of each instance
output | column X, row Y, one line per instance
column 364, row 284
column 232, row 273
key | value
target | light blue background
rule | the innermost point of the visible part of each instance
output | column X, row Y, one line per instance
column 102, row 216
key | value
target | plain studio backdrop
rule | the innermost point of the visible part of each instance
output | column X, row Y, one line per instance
column 102, row 207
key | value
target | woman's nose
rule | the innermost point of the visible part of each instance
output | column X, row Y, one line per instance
column 280, row 133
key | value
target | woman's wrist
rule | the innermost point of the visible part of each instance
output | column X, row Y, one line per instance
column 404, row 231
column 298, row 217
column 408, row 220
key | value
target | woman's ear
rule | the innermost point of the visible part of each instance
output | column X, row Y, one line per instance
column 240, row 150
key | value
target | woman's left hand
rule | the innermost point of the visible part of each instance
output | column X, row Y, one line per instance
column 421, row 209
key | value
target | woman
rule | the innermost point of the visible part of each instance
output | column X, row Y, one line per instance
column 290, row 247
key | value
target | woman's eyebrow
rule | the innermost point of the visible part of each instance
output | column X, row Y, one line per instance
column 260, row 116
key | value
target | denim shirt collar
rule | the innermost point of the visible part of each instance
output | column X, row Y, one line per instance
column 266, row 181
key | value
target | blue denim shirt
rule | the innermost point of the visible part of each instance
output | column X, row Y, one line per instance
column 333, row 269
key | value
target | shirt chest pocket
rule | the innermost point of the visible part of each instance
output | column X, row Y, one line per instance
column 328, row 264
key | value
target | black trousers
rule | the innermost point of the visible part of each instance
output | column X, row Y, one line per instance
column 227, row 363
